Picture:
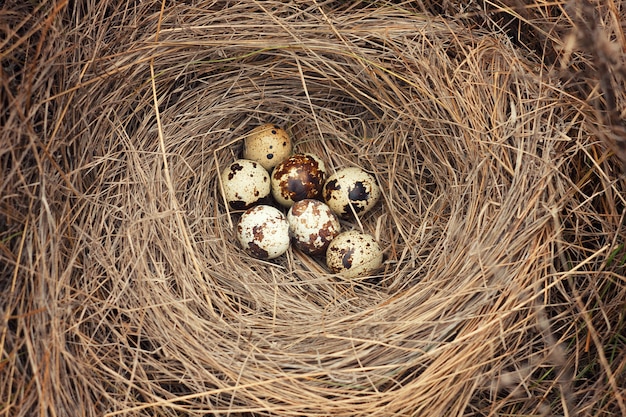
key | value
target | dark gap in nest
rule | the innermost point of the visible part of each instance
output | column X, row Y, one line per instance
column 182, row 86
column 589, row 289
column 523, row 25
column 524, row 31
column 14, row 65
column 405, row 377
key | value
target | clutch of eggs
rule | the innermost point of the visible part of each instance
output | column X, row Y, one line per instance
column 298, row 182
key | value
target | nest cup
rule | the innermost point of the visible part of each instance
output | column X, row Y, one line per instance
column 163, row 311
column 403, row 103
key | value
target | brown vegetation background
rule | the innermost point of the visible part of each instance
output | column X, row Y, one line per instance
column 495, row 129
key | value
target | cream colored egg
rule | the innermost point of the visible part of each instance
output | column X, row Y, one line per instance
column 354, row 254
column 245, row 183
column 263, row 232
column 351, row 190
column 312, row 226
column 268, row 144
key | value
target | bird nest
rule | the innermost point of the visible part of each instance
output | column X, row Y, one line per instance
column 126, row 290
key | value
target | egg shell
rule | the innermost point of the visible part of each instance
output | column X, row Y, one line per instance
column 298, row 177
column 351, row 188
column 263, row 232
column 354, row 254
column 268, row 144
column 245, row 183
column 312, row 226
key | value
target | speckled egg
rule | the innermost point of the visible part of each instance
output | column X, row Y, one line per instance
column 312, row 226
column 263, row 232
column 268, row 144
column 351, row 189
column 298, row 177
column 245, row 183
column 354, row 254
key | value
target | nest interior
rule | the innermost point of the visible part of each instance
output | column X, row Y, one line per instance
column 126, row 292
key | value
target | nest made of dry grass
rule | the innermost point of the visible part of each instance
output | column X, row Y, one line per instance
column 125, row 293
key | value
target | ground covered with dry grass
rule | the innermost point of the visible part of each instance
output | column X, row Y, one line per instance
column 495, row 130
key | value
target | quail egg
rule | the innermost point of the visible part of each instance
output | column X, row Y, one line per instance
column 298, row 177
column 312, row 226
column 245, row 183
column 263, row 232
column 268, row 144
column 351, row 189
column 354, row 254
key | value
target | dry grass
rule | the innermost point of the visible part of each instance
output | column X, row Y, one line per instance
column 124, row 293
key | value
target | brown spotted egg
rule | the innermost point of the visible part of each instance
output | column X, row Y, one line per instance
column 354, row 254
column 312, row 226
column 298, row 177
column 245, row 183
column 263, row 232
column 268, row 144
column 351, row 190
